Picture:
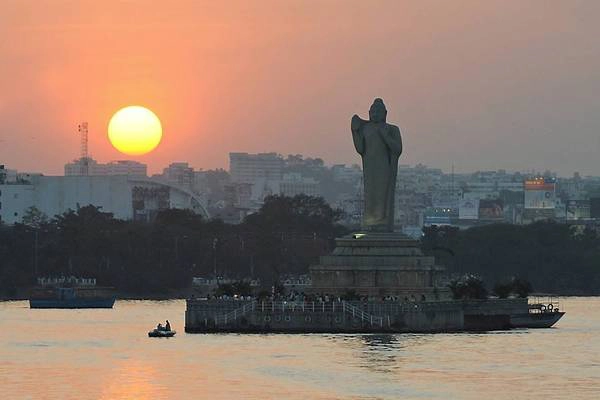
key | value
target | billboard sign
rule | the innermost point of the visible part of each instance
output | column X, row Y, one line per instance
column 439, row 216
column 540, row 193
column 491, row 209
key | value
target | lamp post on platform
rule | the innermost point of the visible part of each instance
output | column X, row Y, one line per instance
column 214, row 245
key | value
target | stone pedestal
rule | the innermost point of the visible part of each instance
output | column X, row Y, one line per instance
column 378, row 264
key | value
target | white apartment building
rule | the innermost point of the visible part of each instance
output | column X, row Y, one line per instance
column 126, row 197
column 179, row 174
column 294, row 184
column 343, row 173
column 91, row 167
column 249, row 168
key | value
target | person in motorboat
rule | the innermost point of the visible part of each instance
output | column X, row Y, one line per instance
column 159, row 327
column 168, row 326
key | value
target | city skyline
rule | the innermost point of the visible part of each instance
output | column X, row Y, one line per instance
column 479, row 85
column 424, row 195
column 158, row 169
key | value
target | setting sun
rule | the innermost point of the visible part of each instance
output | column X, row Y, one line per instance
column 134, row 130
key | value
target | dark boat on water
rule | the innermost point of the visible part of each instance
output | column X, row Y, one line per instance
column 71, row 292
column 541, row 315
column 161, row 333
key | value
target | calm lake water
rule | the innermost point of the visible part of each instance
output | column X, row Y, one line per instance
column 106, row 354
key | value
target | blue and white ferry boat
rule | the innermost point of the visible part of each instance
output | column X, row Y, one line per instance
column 71, row 292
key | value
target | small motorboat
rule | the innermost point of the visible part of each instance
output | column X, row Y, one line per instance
column 161, row 333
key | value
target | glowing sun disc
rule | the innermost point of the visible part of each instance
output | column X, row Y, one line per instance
column 134, row 130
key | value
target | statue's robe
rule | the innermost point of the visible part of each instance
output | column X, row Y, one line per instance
column 380, row 146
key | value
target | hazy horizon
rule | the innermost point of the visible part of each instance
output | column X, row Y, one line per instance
column 481, row 85
column 158, row 169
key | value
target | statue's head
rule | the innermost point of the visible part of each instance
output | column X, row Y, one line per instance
column 377, row 112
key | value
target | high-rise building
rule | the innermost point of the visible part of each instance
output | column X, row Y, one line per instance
column 249, row 168
column 294, row 184
column 343, row 173
column 89, row 166
column 126, row 167
column 179, row 173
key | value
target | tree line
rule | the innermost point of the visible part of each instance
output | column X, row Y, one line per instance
column 285, row 236
column 554, row 258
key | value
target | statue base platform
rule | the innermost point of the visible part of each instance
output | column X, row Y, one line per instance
column 378, row 264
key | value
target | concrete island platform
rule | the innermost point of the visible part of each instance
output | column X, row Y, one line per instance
column 372, row 266
column 254, row 316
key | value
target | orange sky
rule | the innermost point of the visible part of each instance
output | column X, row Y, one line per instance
column 483, row 84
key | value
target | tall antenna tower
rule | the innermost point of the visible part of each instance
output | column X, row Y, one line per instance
column 84, row 160
column 453, row 192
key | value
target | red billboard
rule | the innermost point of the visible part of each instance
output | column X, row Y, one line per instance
column 540, row 193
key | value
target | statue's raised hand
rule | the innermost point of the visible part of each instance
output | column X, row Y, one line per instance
column 356, row 123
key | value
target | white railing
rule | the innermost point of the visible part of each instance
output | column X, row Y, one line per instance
column 357, row 312
column 542, row 304
column 343, row 307
column 235, row 314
